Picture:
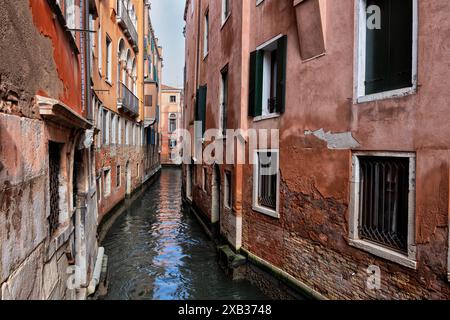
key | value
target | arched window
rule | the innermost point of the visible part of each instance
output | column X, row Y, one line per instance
column 120, row 59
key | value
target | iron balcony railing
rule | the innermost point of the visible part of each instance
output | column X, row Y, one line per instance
column 124, row 20
column 128, row 101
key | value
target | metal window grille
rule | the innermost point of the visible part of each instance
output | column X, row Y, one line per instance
column 267, row 184
column 384, row 189
column 54, row 154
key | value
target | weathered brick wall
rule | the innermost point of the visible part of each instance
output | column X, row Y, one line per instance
column 110, row 157
column 309, row 241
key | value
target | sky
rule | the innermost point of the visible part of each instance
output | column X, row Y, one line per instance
column 168, row 22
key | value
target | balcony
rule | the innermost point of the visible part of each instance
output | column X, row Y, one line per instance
column 127, row 101
column 124, row 20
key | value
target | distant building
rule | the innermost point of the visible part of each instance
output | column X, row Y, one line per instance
column 125, row 151
column 171, row 115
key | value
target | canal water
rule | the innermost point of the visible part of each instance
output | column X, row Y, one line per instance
column 157, row 251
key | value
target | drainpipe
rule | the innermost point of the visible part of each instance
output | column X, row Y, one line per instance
column 97, row 271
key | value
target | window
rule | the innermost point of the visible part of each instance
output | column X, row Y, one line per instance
column 173, row 99
column 266, row 182
column 200, row 110
column 119, row 130
column 108, row 59
column 267, row 79
column 204, row 179
column 105, row 127
column 224, row 101
column 382, row 203
column 226, row 10
column 99, row 44
column 172, row 143
column 118, row 179
column 107, row 182
column 54, row 157
column 228, row 190
column 148, row 100
column 172, row 122
column 114, row 129
column 138, row 170
column 127, row 133
column 206, row 35
column 387, row 49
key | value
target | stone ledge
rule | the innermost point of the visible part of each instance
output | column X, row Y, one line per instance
column 283, row 276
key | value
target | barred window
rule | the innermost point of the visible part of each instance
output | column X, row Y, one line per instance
column 266, row 185
column 383, row 208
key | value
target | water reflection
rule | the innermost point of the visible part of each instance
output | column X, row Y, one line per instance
column 156, row 251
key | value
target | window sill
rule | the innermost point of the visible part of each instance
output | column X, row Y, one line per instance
column 205, row 56
column 266, row 117
column 266, row 211
column 392, row 94
column 384, row 253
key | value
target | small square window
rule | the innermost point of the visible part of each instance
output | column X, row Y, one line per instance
column 173, row 99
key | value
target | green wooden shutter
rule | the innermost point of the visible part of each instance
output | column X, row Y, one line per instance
column 400, row 54
column 252, row 82
column 377, row 42
column 389, row 49
column 255, row 84
column 281, row 81
column 202, row 107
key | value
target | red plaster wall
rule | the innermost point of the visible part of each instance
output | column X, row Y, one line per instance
column 67, row 63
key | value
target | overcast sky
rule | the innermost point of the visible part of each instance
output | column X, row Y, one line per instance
column 168, row 22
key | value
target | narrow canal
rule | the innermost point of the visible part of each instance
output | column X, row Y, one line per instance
column 158, row 251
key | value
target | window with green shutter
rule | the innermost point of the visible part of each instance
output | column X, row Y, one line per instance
column 388, row 55
column 267, row 87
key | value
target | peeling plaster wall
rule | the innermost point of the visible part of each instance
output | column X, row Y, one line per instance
column 318, row 131
column 36, row 59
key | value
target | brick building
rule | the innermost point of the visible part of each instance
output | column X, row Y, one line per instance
column 357, row 90
column 125, row 156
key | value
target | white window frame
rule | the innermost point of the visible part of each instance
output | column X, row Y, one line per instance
column 127, row 133
column 113, row 129
column 107, row 182
column 267, row 73
column 206, row 34
column 224, row 16
column 360, row 61
column 99, row 44
column 407, row 260
column 108, row 76
column 119, row 131
column 256, row 206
